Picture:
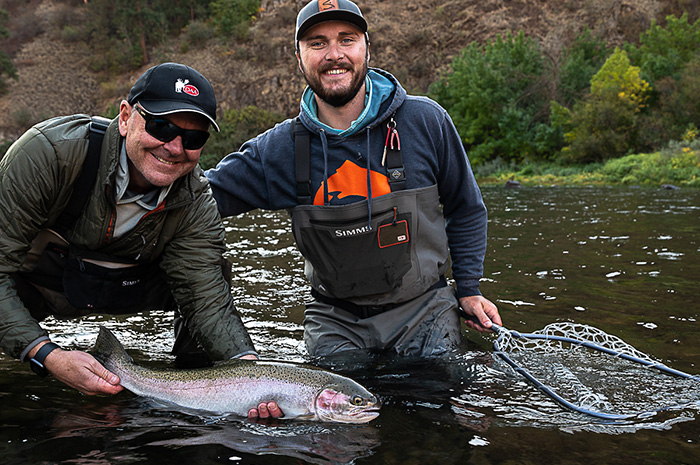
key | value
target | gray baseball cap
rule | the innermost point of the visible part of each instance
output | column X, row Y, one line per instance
column 318, row 11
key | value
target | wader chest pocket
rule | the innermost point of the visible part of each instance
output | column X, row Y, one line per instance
column 87, row 284
column 348, row 258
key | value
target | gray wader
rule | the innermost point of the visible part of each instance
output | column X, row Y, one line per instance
column 58, row 280
column 378, row 281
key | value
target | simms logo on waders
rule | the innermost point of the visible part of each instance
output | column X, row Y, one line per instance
column 351, row 232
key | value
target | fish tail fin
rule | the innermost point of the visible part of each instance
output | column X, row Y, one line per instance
column 108, row 349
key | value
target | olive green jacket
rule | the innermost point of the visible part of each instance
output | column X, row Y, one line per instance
column 184, row 233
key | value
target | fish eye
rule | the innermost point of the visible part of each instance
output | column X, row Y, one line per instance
column 356, row 400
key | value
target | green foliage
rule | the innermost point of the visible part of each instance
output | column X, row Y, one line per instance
column 606, row 123
column 617, row 74
column 121, row 33
column 678, row 164
column 198, row 33
column 232, row 17
column 237, row 126
column 497, row 99
column 664, row 51
column 678, row 167
column 668, row 56
column 580, row 61
column 7, row 68
column 4, row 145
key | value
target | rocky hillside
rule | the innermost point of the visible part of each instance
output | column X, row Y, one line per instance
column 413, row 39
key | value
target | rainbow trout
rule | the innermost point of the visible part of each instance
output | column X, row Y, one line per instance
column 235, row 386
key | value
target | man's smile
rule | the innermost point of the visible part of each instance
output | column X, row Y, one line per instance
column 163, row 161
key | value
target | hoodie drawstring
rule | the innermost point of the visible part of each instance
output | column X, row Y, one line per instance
column 369, row 184
column 324, row 144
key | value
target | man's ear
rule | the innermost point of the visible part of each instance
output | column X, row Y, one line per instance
column 301, row 68
column 124, row 115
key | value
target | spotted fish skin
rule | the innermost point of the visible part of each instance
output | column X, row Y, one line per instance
column 236, row 386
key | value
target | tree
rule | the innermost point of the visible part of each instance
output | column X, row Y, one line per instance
column 606, row 123
column 232, row 17
column 497, row 98
column 122, row 32
column 664, row 51
column 668, row 57
column 7, row 69
column 579, row 62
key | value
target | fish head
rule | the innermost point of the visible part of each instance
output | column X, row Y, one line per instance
column 346, row 404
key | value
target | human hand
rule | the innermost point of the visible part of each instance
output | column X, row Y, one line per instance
column 82, row 371
column 482, row 309
column 265, row 410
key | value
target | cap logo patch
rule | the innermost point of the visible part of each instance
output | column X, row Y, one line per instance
column 324, row 5
column 184, row 86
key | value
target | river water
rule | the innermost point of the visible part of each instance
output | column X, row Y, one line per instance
column 624, row 260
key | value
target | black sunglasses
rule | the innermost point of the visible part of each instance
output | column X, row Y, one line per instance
column 165, row 131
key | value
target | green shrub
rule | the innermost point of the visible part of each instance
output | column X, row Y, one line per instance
column 4, row 145
column 664, row 51
column 668, row 58
column 606, row 123
column 232, row 18
column 7, row 68
column 237, row 126
column 497, row 98
column 680, row 167
column 580, row 61
column 198, row 33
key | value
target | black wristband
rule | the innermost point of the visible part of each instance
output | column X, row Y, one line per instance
column 37, row 362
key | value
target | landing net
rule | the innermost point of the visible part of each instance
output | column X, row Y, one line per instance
column 589, row 371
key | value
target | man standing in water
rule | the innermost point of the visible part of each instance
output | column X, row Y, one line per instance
column 364, row 170
column 148, row 235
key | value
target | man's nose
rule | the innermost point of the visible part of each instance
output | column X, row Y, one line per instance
column 175, row 146
column 335, row 52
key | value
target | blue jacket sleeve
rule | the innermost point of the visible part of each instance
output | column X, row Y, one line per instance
column 258, row 175
column 464, row 210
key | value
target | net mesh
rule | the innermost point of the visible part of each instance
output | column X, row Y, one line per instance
column 594, row 380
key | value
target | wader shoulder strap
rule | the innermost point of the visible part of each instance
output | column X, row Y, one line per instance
column 395, row 171
column 86, row 179
column 302, row 162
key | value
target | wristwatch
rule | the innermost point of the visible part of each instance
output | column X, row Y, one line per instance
column 37, row 362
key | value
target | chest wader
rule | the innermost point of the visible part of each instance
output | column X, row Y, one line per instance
column 60, row 279
column 88, row 280
column 377, row 275
column 357, row 260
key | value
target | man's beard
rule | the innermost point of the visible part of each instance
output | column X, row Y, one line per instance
column 336, row 98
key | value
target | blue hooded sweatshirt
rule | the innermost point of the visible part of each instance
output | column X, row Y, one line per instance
column 346, row 167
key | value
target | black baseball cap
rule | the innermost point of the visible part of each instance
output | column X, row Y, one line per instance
column 318, row 11
column 172, row 88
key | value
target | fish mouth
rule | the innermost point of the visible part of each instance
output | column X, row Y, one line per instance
column 364, row 416
column 359, row 414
